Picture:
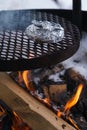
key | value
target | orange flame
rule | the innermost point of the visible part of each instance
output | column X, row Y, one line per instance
column 73, row 122
column 26, row 76
column 2, row 111
column 74, row 99
column 18, row 124
column 70, row 104
column 47, row 101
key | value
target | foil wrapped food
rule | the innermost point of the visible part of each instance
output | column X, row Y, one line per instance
column 45, row 31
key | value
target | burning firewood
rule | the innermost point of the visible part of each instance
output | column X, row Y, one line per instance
column 18, row 123
column 9, row 120
column 73, row 78
column 70, row 104
column 5, row 122
column 30, row 110
column 56, row 95
column 46, row 72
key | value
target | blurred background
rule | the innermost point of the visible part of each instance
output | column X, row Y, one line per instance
column 41, row 4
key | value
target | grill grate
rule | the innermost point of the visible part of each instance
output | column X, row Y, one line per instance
column 17, row 52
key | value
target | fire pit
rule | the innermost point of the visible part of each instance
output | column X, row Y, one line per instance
column 66, row 96
column 18, row 53
column 34, row 113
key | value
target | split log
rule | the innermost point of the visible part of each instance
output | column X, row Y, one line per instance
column 34, row 113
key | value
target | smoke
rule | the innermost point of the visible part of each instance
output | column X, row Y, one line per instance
column 14, row 19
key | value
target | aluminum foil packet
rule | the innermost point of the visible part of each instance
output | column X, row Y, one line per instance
column 45, row 31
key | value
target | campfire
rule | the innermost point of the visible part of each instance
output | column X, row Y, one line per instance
column 60, row 89
column 62, row 95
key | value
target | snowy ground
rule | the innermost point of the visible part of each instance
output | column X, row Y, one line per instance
column 80, row 56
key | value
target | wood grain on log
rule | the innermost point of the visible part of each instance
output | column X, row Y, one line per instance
column 28, row 108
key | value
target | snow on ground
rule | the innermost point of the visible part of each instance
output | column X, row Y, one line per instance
column 80, row 56
column 78, row 61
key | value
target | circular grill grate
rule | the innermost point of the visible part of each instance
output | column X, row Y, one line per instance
column 17, row 52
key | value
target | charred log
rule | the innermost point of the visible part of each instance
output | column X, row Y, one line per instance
column 73, row 78
column 46, row 72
